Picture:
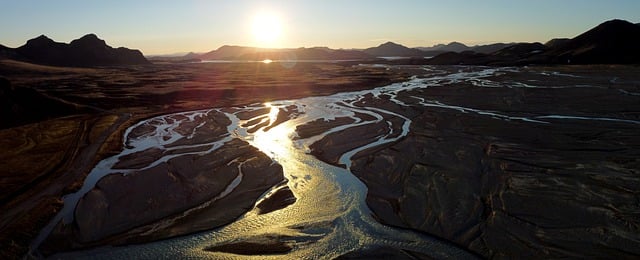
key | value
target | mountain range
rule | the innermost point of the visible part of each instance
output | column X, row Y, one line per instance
column 251, row 53
column 388, row 49
column 612, row 42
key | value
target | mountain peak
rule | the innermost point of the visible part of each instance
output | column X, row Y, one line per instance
column 89, row 40
column 615, row 22
column 393, row 49
column 89, row 50
column 40, row 41
column 390, row 44
column 457, row 44
column 612, row 27
column 90, row 36
column 42, row 37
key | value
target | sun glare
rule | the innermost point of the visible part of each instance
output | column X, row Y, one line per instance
column 266, row 30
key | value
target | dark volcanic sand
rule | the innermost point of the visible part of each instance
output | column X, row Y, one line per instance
column 511, row 188
column 44, row 160
column 149, row 201
column 500, row 188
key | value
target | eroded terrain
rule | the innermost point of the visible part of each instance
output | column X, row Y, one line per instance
column 455, row 162
column 80, row 117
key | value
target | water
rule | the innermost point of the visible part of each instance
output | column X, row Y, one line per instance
column 330, row 217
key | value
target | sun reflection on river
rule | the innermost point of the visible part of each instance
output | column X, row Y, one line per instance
column 276, row 142
column 329, row 216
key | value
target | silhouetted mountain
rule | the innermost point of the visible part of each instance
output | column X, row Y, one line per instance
column 192, row 55
column 390, row 49
column 490, row 48
column 512, row 55
column 450, row 47
column 557, row 43
column 171, row 55
column 227, row 52
column 7, row 53
column 86, row 51
column 517, row 54
column 520, row 50
column 250, row 53
column 614, row 41
column 20, row 106
column 459, row 58
column 175, row 57
column 459, row 47
column 318, row 53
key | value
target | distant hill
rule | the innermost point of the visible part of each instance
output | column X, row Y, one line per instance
column 227, row 52
column 7, row 53
column 318, row 53
column 86, row 51
column 614, row 41
column 459, row 58
column 250, row 53
column 490, row 48
column 450, row 47
column 556, row 43
column 390, row 49
column 460, row 47
column 442, row 48
column 520, row 50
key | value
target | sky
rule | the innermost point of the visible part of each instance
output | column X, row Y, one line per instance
column 165, row 27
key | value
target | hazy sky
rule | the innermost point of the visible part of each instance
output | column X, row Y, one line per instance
column 178, row 26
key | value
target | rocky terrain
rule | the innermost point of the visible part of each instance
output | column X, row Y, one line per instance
column 161, row 191
column 492, row 165
column 53, row 152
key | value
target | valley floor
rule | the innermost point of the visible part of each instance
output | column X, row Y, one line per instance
column 501, row 162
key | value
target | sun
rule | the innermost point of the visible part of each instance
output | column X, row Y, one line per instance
column 267, row 30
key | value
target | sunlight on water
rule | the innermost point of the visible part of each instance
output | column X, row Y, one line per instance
column 277, row 141
column 330, row 216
